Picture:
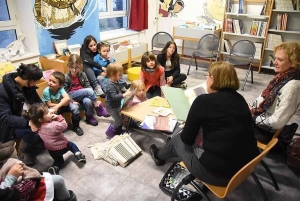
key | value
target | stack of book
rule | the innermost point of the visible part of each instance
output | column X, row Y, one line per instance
column 258, row 28
column 258, row 47
column 281, row 22
column 227, row 45
column 273, row 39
column 234, row 26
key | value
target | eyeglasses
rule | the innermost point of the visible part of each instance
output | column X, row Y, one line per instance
column 74, row 68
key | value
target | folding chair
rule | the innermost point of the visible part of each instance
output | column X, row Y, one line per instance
column 159, row 41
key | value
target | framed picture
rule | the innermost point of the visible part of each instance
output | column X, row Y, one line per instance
column 74, row 49
column 60, row 46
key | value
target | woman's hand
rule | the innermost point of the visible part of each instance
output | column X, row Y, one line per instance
column 252, row 110
column 77, row 103
column 16, row 170
column 170, row 80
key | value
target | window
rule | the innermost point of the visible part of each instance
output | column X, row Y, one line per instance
column 113, row 14
column 8, row 23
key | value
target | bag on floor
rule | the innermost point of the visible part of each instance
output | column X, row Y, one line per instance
column 293, row 154
column 172, row 178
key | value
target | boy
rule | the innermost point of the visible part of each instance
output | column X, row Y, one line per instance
column 55, row 97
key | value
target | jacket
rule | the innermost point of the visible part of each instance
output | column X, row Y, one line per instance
column 88, row 60
column 12, row 99
column 84, row 82
column 162, row 59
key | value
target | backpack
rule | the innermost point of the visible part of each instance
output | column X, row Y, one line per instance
column 293, row 154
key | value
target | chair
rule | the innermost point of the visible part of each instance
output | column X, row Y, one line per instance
column 159, row 41
column 235, row 181
column 242, row 54
column 207, row 48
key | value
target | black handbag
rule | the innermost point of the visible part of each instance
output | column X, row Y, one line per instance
column 173, row 177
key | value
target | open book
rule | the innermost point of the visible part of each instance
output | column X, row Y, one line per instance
column 182, row 103
column 159, row 123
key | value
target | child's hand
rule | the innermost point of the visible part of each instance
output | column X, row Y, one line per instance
column 16, row 170
column 33, row 127
column 108, row 57
column 54, row 109
column 54, row 116
column 170, row 80
column 127, row 93
column 167, row 85
column 51, row 111
column 103, row 74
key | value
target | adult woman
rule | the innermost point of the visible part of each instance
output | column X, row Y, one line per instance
column 280, row 100
column 17, row 92
column 228, row 144
column 169, row 59
column 87, row 52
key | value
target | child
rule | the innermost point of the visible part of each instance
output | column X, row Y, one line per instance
column 56, row 98
column 50, row 127
column 104, row 60
column 78, row 86
column 152, row 74
column 114, row 97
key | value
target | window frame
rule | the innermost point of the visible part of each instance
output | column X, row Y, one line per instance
column 11, row 24
column 112, row 14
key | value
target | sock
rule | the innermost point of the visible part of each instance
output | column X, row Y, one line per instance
column 77, row 153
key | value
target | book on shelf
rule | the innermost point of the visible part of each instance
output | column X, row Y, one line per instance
column 258, row 48
column 281, row 22
column 236, row 26
column 74, row 49
column 159, row 123
column 255, row 28
column 182, row 103
column 229, row 25
column 284, row 5
column 272, row 60
column 227, row 44
column 273, row 39
column 60, row 46
column 263, row 10
column 262, row 31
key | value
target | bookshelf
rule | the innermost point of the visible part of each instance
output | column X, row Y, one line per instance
column 251, row 25
column 291, row 31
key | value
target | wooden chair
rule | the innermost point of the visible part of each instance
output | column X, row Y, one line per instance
column 235, row 181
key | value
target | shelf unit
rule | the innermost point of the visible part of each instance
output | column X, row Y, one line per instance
column 253, row 10
column 292, row 32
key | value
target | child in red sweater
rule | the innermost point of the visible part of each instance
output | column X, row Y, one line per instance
column 50, row 127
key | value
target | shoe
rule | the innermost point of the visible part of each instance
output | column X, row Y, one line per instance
column 153, row 153
column 6, row 152
column 182, row 85
column 110, row 132
column 90, row 119
column 101, row 111
column 80, row 157
column 78, row 130
column 11, row 143
column 98, row 91
column 54, row 170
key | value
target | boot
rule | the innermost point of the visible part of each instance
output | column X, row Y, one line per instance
column 111, row 132
column 120, row 130
column 24, row 155
column 71, row 198
column 7, row 144
column 76, row 127
column 6, row 152
column 101, row 111
column 90, row 119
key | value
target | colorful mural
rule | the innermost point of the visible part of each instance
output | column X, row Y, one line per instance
column 64, row 19
column 213, row 10
column 168, row 8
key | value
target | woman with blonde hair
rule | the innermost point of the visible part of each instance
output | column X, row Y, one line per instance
column 226, row 124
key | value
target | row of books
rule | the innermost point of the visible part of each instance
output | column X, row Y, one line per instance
column 285, row 4
column 258, row 28
column 273, row 39
column 296, row 4
column 229, row 6
column 281, row 22
column 62, row 48
column 235, row 26
column 226, row 45
column 125, row 44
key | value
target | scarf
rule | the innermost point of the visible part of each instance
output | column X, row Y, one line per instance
column 270, row 93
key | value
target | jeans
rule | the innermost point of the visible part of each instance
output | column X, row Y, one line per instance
column 176, row 80
column 73, row 108
column 58, row 155
column 87, row 97
column 91, row 76
column 116, row 115
column 153, row 91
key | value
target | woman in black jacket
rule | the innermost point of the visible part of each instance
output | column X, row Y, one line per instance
column 87, row 52
column 17, row 92
column 169, row 59
column 223, row 119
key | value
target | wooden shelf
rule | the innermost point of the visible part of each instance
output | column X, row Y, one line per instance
column 285, row 32
column 250, row 1
column 244, row 35
column 269, row 49
column 249, row 15
column 286, row 11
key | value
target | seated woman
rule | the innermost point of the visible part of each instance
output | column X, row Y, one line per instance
column 169, row 59
column 280, row 100
column 226, row 124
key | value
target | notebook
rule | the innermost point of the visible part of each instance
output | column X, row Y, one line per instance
column 159, row 123
column 181, row 101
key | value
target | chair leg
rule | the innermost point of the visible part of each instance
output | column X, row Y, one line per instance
column 246, row 77
column 260, row 187
column 271, row 174
column 203, row 194
column 196, row 63
column 190, row 65
column 251, row 74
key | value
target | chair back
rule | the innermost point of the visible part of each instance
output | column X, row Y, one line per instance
column 243, row 48
column 209, row 44
column 262, row 146
column 244, row 173
column 160, row 39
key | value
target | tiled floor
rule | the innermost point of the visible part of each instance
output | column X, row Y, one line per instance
column 98, row 181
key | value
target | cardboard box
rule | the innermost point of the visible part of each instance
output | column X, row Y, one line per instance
column 41, row 84
column 58, row 64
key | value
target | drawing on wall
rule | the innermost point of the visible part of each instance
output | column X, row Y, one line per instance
column 59, row 17
column 213, row 10
column 168, row 8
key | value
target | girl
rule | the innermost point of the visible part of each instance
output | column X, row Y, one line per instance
column 78, row 87
column 104, row 60
column 152, row 74
column 50, row 127
column 87, row 52
column 114, row 97
column 169, row 59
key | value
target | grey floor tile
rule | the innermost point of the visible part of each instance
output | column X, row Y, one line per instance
column 83, row 195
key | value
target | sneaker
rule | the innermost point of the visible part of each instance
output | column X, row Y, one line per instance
column 98, row 91
column 153, row 153
column 80, row 157
column 54, row 170
column 182, row 85
column 78, row 130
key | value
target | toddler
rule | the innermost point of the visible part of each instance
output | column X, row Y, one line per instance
column 114, row 97
column 56, row 98
column 152, row 74
column 78, row 86
column 104, row 59
column 50, row 128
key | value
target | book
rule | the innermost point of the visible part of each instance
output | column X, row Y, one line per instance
column 162, row 111
column 74, row 49
column 254, row 30
column 159, row 123
column 158, row 102
column 60, row 46
column 182, row 103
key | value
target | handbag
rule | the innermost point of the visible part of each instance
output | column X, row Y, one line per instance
column 173, row 177
column 293, row 154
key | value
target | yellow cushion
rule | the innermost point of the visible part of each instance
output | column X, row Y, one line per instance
column 6, row 67
column 133, row 73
